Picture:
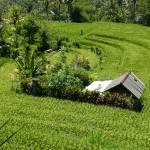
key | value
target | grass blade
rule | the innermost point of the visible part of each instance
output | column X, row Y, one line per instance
column 11, row 136
column 4, row 124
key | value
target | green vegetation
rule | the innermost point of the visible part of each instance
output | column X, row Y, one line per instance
column 136, row 11
column 51, row 123
column 42, row 57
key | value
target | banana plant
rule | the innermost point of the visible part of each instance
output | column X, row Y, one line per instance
column 29, row 66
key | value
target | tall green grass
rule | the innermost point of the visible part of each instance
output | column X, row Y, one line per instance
column 51, row 123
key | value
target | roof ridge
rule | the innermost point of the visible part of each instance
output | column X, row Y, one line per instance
column 126, row 77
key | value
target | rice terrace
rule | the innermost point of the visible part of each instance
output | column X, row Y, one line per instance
column 43, row 104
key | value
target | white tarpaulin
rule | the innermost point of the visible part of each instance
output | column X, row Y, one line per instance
column 98, row 85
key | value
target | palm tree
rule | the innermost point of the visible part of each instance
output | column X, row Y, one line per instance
column 15, row 18
column 44, row 6
column 59, row 8
column 47, row 4
column 69, row 5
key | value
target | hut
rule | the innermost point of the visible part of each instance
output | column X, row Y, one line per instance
column 127, row 83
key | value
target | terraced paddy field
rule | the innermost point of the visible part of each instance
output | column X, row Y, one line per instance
column 51, row 123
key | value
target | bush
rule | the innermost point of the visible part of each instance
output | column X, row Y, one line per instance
column 99, row 53
column 25, row 86
column 30, row 28
column 79, row 14
column 5, row 51
column 116, row 99
column 62, row 81
column 62, row 41
column 76, row 44
column 82, row 75
column 146, row 19
column 43, row 43
column 81, row 62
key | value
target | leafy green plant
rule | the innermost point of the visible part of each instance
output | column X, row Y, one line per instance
column 62, row 41
column 81, row 13
column 76, row 44
column 61, row 81
column 29, row 66
column 81, row 62
column 119, row 100
column 13, row 21
column 82, row 74
column 30, row 28
column 99, row 53
column 43, row 44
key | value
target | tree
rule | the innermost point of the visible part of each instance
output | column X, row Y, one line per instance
column 30, row 29
column 120, row 3
column 59, row 8
column 46, row 4
column 43, row 6
column 144, row 12
column 43, row 44
column 28, row 4
column 15, row 17
column 12, row 19
column 147, row 14
column 69, row 4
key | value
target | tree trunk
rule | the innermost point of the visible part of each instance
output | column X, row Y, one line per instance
column 59, row 12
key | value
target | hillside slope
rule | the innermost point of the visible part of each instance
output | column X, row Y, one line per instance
column 60, row 124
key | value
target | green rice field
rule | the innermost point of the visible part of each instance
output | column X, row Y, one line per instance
column 55, row 124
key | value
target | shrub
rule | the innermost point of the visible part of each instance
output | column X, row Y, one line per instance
column 146, row 19
column 62, row 41
column 61, row 82
column 5, row 51
column 82, row 75
column 99, row 53
column 43, row 43
column 29, row 66
column 116, row 99
column 76, row 44
column 29, row 30
column 81, row 62
column 25, row 86
column 80, row 14
column 88, row 96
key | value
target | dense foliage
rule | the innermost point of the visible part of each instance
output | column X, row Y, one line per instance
column 66, row 82
column 84, row 10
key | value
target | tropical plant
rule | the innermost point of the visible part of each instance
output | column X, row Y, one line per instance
column 15, row 17
column 29, row 65
column 29, row 30
column 69, row 4
column 60, row 2
column 81, row 62
column 79, row 14
column 43, row 42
